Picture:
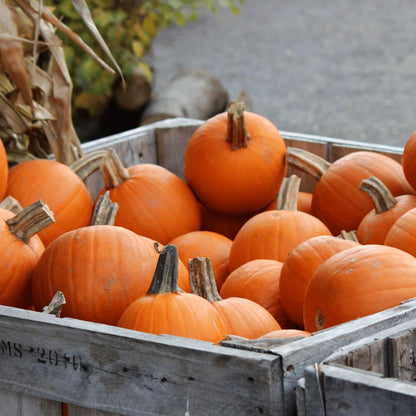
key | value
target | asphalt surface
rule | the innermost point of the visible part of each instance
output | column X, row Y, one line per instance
column 343, row 69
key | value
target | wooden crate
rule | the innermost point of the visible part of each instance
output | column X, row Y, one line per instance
column 372, row 376
column 104, row 370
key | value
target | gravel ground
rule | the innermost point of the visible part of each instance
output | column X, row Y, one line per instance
column 343, row 69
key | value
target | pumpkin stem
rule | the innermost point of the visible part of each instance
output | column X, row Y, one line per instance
column 105, row 210
column 165, row 278
column 88, row 164
column 307, row 162
column 237, row 133
column 112, row 170
column 202, row 280
column 55, row 305
column 349, row 235
column 29, row 221
column 383, row 199
column 12, row 204
column 288, row 194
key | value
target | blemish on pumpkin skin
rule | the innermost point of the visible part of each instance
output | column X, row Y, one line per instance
column 349, row 271
column 109, row 283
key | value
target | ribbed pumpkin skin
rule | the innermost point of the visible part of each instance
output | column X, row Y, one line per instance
column 408, row 160
column 258, row 280
column 235, row 182
column 299, row 267
column 4, row 170
column 374, row 227
column 100, row 269
column 402, row 233
column 58, row 186
column 18, row 259
column 337, row 199
column 358, row 282
column 155, row 203
column 272, row 234
column 206, row 244
column 245, row 318
column 180, row 314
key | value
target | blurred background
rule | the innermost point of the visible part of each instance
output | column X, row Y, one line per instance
column 343, row 69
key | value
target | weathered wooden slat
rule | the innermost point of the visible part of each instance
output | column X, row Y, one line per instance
column 402, row 354
column 171, row 144
column 351, row 392
column 116, row 370
column 20, row 404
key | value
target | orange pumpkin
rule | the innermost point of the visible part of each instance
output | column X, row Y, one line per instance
column 206, row 244
column 153, row 201
column 259, row 281
column 402, row 233
column 21, row 249
column 58, row 186
column 357, row 282
column 235, row 161
column 374, row 227
column 299, row 267
column 166, row 310
column 242, row 317
column 272, row 234
column 408, row 160
column 100, row 269
column 337, row 199
column 4, row 170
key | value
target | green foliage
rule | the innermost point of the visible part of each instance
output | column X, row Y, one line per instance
column 128, row 28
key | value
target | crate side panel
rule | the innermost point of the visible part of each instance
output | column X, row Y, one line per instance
column 338, row 150
column 171, row 145
column 74, row 410
column 20, row 404
column 351, row 392
column 130, row 373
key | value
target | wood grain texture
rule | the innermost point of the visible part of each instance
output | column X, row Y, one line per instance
column 131, row 373
column 351, row 392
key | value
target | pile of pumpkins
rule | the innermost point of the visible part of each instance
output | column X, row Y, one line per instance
column 234, row 249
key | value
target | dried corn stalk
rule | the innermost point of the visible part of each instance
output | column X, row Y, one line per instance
column 35, row 85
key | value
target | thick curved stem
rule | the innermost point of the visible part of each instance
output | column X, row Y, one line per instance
column 381, row 196
column 288, row 194
column 237, row 134
column 165, row 278
column 202, row 280
column 29, row 221
column 105, row 210
column 307, row 162
column 112, row 170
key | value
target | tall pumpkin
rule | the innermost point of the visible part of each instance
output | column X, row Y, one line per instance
column 358, row 282
column 235, row 161
column 58, row 186
column 164, row 309
column 153, row 201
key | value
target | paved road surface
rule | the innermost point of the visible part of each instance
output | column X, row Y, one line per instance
column 343, row 69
